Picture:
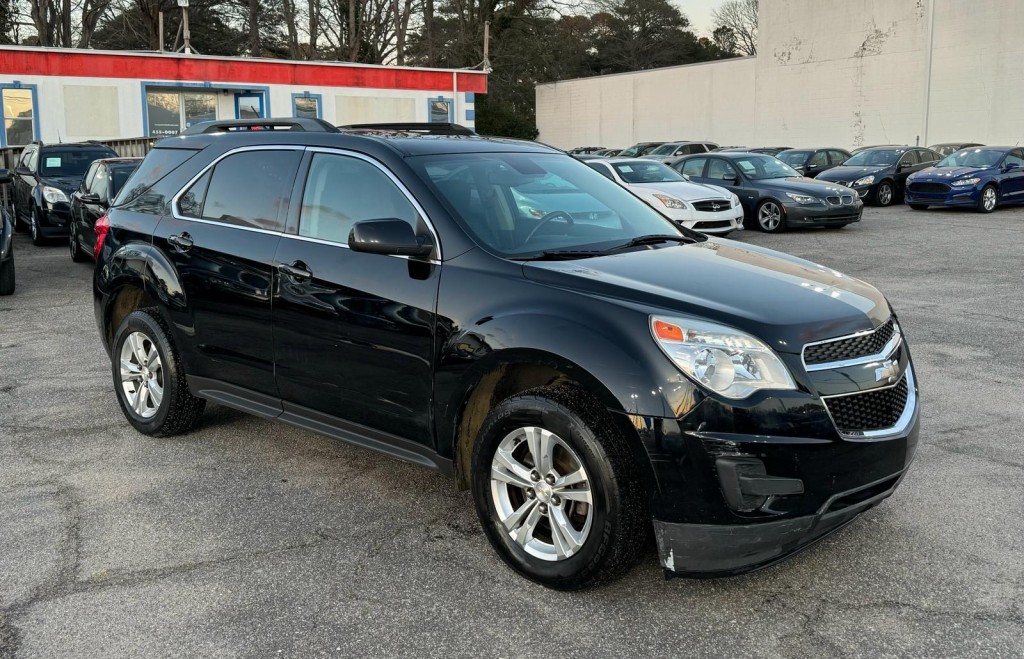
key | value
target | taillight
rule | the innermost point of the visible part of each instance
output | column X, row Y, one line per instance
column 102, row 228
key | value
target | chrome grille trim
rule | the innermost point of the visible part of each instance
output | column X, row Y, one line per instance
column 894, row 342
column 904, row 422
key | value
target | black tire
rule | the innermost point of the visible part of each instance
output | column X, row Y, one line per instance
column 37, row 234
column 178, row 410
column 776, row 225
column 988, row 200
column 885, row 194
column 20, row 226
column 77, row 255
column 620, row 523
column 919, row 207
column 7, row 276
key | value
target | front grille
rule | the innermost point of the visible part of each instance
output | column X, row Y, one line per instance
column 929, row 188
column 850, row 348
column 717, row 224
column 709, row 206
column 847, row 199
column 873, row 410
column 833, row 200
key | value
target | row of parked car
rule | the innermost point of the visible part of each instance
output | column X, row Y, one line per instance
column 59, row 192
column 718, row 189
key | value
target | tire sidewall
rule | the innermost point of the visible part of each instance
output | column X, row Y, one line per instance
column 33, row 226
column 142, row 321
column 782, row 216
column 511, row 415
column 981, row 200
column 892, row 193
column 73, row 244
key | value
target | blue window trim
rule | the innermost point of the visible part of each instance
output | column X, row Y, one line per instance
column 451, row 107
column 261, row 96
column 17, row 84
column 470, row 97
column 470, row 115
column 319, row 103
column 145, row 86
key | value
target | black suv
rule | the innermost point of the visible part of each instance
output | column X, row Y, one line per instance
column 584, row 372
column 45, row 178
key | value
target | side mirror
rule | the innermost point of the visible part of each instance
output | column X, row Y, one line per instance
column 388, row 236
column 5, row 176
column 23, row 171
column 731, row 180
column 89, row 197
column 1007, row 167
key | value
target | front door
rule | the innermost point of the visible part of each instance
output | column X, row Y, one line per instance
column 354, row 332
column 221, row 239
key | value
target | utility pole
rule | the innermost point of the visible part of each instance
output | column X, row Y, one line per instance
column 160, row 30
column 487, row 47
column 187, row 45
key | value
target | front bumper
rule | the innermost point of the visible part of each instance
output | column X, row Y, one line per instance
column 722, row 222
column 814, row 215
column 55, row 220
column 969, row 196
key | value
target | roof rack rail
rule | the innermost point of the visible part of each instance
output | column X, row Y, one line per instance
column 432, row 128
column 300, row 124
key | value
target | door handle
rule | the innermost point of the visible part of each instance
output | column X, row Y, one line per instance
column 181, row 241
column 296, row 270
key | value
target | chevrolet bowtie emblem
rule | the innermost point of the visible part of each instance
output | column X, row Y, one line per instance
column 887, row 372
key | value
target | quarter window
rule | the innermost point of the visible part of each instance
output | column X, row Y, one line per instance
column 341, row 190
column 720, row 170
column 837, row 157
column 819, row 160
column 251, row 189
column 909, row 158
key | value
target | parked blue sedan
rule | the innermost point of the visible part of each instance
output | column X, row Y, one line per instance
column 976, row 177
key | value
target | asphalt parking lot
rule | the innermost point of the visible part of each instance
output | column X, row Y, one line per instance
column 249, row 538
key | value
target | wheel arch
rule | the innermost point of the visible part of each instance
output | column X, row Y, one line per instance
column 136, row 276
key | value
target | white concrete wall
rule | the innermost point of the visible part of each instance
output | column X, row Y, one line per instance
column 828, row 73
column 694, row 102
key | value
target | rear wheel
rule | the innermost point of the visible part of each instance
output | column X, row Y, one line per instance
column 556, row 489
column 7, row 276
column 150, row 384
column 919, row 207
column 770, row 217
column 885, row 193
column 77, row 255
column 989, row 199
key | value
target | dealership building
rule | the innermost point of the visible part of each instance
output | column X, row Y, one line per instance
column 56, row 94
column 828, row 73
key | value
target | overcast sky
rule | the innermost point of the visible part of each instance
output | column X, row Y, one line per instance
column 699, row 13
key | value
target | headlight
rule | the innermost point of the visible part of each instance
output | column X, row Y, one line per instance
column 803, row 198
column 54, row 195
column 735, row 201
column 867, row 180
column 967, row 181
column 670, row 202
column 724, row 360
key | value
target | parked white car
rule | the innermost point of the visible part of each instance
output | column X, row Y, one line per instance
column 706, row 208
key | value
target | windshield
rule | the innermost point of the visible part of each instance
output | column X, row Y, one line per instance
column 763, row 167
column 632, row 151
column 70, row 162
column 664, row 150
column 647, row 172
column 794, row 158
column 972, row 158
column 876, row 157
column 520, row 205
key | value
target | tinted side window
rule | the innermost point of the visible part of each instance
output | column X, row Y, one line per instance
column 602, row 170
column 1014, row 158
column 340, row 191
column 720, row 169
column 158, row 164
column 909, row 158
column 98, row 184
column 251, row 188
column 33, row 160
column 837, row 157
column 926, row 156
column 819, row 159
column 190, row 204
column 89, row 176
column 694, row 167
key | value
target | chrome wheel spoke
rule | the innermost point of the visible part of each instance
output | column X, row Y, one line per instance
column 576, row 495
column 567, row 539
column 509, row 470
column 572, row 478
column 139, row 404
column 524, row 533
column 542, row 447
column 129, row 371
column 156, row 392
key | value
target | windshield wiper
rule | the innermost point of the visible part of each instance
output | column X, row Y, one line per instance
column 563, row 255
column 652, row 239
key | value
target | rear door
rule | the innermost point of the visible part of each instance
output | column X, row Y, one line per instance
column 1011, row 185
column 354, row 332
column 907, row 165
column 25, row 181
column 221, row 238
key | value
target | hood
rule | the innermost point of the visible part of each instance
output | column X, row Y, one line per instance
column 67, row 184
column 850, row 173
column 783, row 300
column 946, row 174
column 685, row 190
column 802, row 184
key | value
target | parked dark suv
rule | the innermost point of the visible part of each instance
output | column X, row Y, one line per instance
column 46, row 176
column 583, row 374
column 91, row 200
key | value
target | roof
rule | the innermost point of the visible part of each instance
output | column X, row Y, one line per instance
column 160, row 66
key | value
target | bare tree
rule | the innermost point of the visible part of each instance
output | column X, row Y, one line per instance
column 740, row 18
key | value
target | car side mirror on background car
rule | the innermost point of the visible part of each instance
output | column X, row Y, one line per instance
column 388, row 236
column 1007, row 167
column 5, row 176
column 23, row 171
column 90, row 197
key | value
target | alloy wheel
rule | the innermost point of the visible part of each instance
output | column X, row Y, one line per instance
column 34, row 226
column 885, row 194
column 769, row 216
column 988, row 199
column 73, row 243
column 142, row 377
column 541, row 492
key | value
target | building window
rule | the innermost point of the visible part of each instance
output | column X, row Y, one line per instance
column 440, row 110
column 307, row 105
column 248, row 106
column 19, row 115
column 170, row 112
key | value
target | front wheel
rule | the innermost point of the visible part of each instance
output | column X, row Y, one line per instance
column 556, row 489
column 770, row 217
column 885, row 193
column 150, row 384
column 77, row 255
column 989, row 199
column 35, row 230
